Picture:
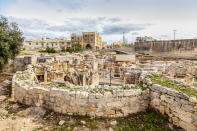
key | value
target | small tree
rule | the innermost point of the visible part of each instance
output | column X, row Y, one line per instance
column 11, row 40
column 76, row 47
column 69, row 49
column 88, row 46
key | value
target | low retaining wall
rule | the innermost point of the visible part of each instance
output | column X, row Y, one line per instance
column 181, row 109
column 110, row 104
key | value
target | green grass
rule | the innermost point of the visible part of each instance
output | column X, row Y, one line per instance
column 163, row 81
column 21, row 77
column 137, row 86
column 149, row 121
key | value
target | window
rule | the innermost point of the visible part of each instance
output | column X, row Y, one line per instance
column 36, row 43
column 56, row 43
column 29, row 43
column 52, row 44
column 42, row 44
column 47, row 44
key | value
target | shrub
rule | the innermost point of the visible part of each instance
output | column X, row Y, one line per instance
column 76, row 47
column 49, row 50
column 63, row 50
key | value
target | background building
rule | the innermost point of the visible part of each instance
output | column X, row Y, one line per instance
column 76, row 39
column 88, row 39
column 43, row 43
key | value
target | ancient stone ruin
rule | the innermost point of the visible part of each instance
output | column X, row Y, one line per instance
column 74, row 84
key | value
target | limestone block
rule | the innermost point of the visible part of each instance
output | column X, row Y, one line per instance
column 154, row 95
column 77, row 93
column 84, row 95
column 185, row 116
column 182, row 96
column 187, row 126
column 99, row 114
column 126, row 111
column 119, row 93
column 128, row 92
column 155, row 102
column 57, row 109
column 163, row 98
column 72, row 93
column 175, row 119
column 195, row 108
column 114, row 94
column 109, row 112
column 193, row 99
column 194, row 117
column 195, row 123
column 159, row 88
column 187, row 108
column 98, row 95
column 184, row 102
column 162, row 109
column 115, row 104
column 92, row 96
column 107, row 94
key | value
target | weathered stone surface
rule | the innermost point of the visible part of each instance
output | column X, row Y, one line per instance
column 33, row 111
column 193, row 99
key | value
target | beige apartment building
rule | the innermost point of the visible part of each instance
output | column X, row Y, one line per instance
column 43, row 43
column 88, row 38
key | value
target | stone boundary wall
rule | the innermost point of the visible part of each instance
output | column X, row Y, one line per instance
column 181, row 109
column 173, row 46
column 118, row 103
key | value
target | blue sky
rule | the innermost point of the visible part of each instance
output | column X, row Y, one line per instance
column 54, row 18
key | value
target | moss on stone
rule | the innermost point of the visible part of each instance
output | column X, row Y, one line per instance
column 21, row 77
column 164, row 81
column 137, row 86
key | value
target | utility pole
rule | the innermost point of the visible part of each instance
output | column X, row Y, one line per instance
column 123, row 39
column 110, row 78
column 174, row 34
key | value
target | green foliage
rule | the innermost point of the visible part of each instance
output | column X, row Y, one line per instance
column 49, row 50
column 163, row 81
column 69, row 49
column 73, row 48
column 137, row 86
column 63, row 50
column 76, row 47
column 88, row 46
column 11, row 40
column 150, row 121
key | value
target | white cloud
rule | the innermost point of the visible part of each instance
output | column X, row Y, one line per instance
column 108, row 17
